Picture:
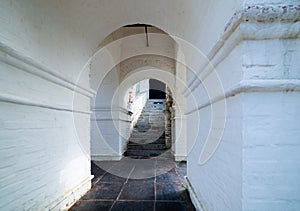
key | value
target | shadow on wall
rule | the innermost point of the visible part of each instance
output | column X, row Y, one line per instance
column 157, row 89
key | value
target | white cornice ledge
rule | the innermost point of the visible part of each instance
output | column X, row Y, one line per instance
column 111, row 109
column 8, row 98
column 288, row 85
column 22, row 62
column 109, row 119
column 247, row 86
column 254, row 22
column 265, row 14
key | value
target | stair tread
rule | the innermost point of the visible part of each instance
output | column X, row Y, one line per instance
column 152, row 121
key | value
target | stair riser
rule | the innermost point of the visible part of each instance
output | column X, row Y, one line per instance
column 143, row 153
column 146, row 147
column 148, row 136
column 138, row 142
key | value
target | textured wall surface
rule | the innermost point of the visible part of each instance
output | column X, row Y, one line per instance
column 45, row 161
column 256, row 164
column 45, row 115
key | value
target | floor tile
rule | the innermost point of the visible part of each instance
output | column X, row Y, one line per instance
column 151, row 179
column 108, row 177
column 104, row 191
column 138, row 190
column 169, row 191
column 143, row 169
column 133, row 206
column 137, row 194
column 97, row 172
column 92, row 206
column 174, row 206
column 167, row 177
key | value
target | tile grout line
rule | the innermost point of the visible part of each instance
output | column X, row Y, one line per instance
column 185, row 201
column 179, row 175
column 138, row 200
column 155, row 173
column 99, row 178
column 122, row 188
column 106, row 171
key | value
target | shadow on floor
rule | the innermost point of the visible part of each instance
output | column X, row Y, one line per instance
column 164, row 191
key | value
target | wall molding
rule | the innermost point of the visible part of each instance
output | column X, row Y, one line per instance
column 69, row 198
column 18, row 60
column 110, row 119
column 246, row 86
column 181, row 117
column 179, row 158
column 156, row 61
column 194, row 197
column 7, row 98
column 244, row 26
column 99, row 157
column 110, row 109
column 265, row 14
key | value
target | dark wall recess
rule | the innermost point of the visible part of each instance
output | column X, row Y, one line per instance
column 157, row 89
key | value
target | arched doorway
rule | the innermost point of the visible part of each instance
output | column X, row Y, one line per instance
column 127, row 58
column 150, row 134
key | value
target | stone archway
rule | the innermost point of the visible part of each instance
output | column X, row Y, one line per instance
column 122, row 62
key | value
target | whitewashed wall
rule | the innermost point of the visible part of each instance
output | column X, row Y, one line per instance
column 45, row 163
column 256, row 164
column 39, row 143
column 106, row 119
column 139, row 101
column 111, row 124
column 271, row 130
column 217, row 183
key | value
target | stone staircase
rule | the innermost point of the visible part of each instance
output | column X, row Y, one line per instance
column 148, row 136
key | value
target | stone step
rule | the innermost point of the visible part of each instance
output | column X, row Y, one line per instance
column 149, row 134
column 134, row 146
column 143, row 132
column 153, row 111
column 146, row 141
column 150, row 124
column 147, row 153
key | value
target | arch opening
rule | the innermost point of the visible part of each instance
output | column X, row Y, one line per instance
column 150, row 129
column 131, row 61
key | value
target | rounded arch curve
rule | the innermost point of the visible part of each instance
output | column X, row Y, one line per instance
column 142, row 62
column 120, row 31
column 119, row 64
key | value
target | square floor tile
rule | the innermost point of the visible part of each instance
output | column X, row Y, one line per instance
column 108, row 177
column 169, row 191
column 168, row 177
column 151, row 179
column 96, row 170
column 174, row 206
column 92, row 206
column 104, row 191
column 138, row 190
column 133, row 206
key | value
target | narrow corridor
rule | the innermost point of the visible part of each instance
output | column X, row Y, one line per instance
column 162, row 192
column 147, row 178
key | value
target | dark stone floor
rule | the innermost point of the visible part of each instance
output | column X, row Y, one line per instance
column 164, row 190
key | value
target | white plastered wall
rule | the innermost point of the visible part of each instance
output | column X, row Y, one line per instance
column 62, row 35
column 255, row 165
column 52, row 41
column 140, row 98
